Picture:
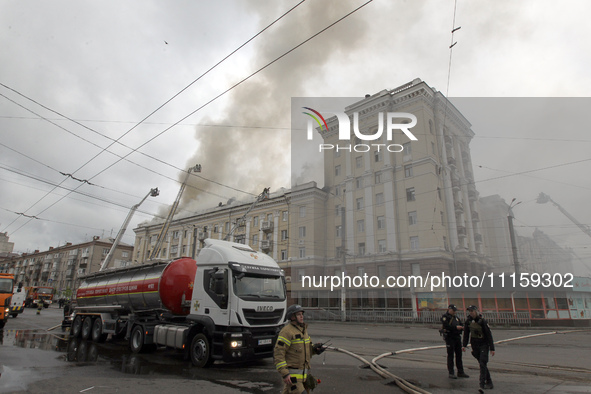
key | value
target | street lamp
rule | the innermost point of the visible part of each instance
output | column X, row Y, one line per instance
column 512, row 235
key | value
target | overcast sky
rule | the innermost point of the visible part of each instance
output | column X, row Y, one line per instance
column 78, row 76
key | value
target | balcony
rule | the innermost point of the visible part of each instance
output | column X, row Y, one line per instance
column 451, row 161
column 266, row 244
column 267, row 226
column 455, row 184
column 475, row 216
column 448, row 143
column 478, row 238
column 459, row 207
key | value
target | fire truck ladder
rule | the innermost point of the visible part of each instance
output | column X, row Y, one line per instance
column 544, row 198
column 175, row 205
column 153, row 192
column 261, row 197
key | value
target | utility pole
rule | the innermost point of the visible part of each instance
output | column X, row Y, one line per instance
column 343, row 267
column 512, row 235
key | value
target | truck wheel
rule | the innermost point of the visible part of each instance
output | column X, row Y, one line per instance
column 136, row 339
column 97, row 331
column 15, row 315
column 87, row 327
column 76, row 326
column 200, row 351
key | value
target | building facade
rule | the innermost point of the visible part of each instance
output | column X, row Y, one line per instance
column 61, row 266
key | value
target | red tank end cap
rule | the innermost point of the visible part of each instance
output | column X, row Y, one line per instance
column 177, row 279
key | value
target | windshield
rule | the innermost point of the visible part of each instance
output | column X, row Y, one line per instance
column 6, row 285
column 253, row 287
column 44, row 291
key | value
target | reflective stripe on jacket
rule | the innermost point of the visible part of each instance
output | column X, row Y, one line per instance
column 293, row 350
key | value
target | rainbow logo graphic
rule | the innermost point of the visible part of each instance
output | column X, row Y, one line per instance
column 316, row 119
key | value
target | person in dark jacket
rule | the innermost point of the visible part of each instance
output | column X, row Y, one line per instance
column 478, row 332
column 451, row 329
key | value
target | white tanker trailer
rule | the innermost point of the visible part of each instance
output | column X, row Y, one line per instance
column 228, row 305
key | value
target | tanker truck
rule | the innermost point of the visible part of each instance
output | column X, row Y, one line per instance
column 228, row 304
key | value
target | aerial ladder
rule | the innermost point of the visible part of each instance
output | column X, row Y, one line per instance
column 153, row 193
column 261, row 197
column 166, row 225
column 544, row 198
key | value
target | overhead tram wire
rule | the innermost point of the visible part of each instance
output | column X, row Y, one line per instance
column 242, row 81
column 153, row 112
column 224, row 92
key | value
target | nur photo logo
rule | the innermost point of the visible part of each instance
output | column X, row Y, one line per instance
column 402, row 121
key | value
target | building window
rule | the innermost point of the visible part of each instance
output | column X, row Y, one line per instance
column 338, row 251
column 337, row 153
column 415, row 269
column 407, row 149
column 184, row 250
column 433, row 147
column 445, row 246
column 105, row 251
column 338, row 231
column 412, row 218
column 381, row 271
column 302, row 251
column 174, row 249
column 358, row 162
column 379, row 198
column 378, row 178
column 337, row 210
column 255, row 240
column 410, row 194
column 359, row 183
column 442, row 218
column 337, row 191
column 439, row 193
column 360, row 271
column 284, row 216
column 361, row 248
column 283, row 235
column 283, row 254
column 408, row 171
column 270, row 215
column 414, row 243
column 176, row 234
column 359, row 203
column 227, row 227
column 381, row 222
column 124, row 254
column 360, row 226
column 303, row 212
column 377, row 156
column 381, row 245
column 302, row 231
column 337, row 170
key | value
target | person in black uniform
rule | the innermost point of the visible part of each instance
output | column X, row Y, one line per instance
column 477, row 330
column 451, row 329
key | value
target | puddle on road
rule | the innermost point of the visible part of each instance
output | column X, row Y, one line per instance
column 259, row 376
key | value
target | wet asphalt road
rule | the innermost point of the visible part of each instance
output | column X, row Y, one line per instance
column 34, row 360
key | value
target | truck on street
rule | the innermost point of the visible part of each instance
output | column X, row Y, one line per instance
column 17, row 304
column 229, row 304
column 35, row 294
column 6, row 286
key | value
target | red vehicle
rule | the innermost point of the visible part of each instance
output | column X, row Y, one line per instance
column 37, row 293
column 6, row 286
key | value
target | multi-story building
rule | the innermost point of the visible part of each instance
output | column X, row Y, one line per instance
column 288, row 225
column 410, row 206
column 61, row 266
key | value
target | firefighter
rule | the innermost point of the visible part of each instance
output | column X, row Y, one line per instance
column 39, row 306
column 451, row 329
column 293, row 351
column 477, row 330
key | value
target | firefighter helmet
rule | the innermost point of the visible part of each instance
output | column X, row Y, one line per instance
column 292, row 310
